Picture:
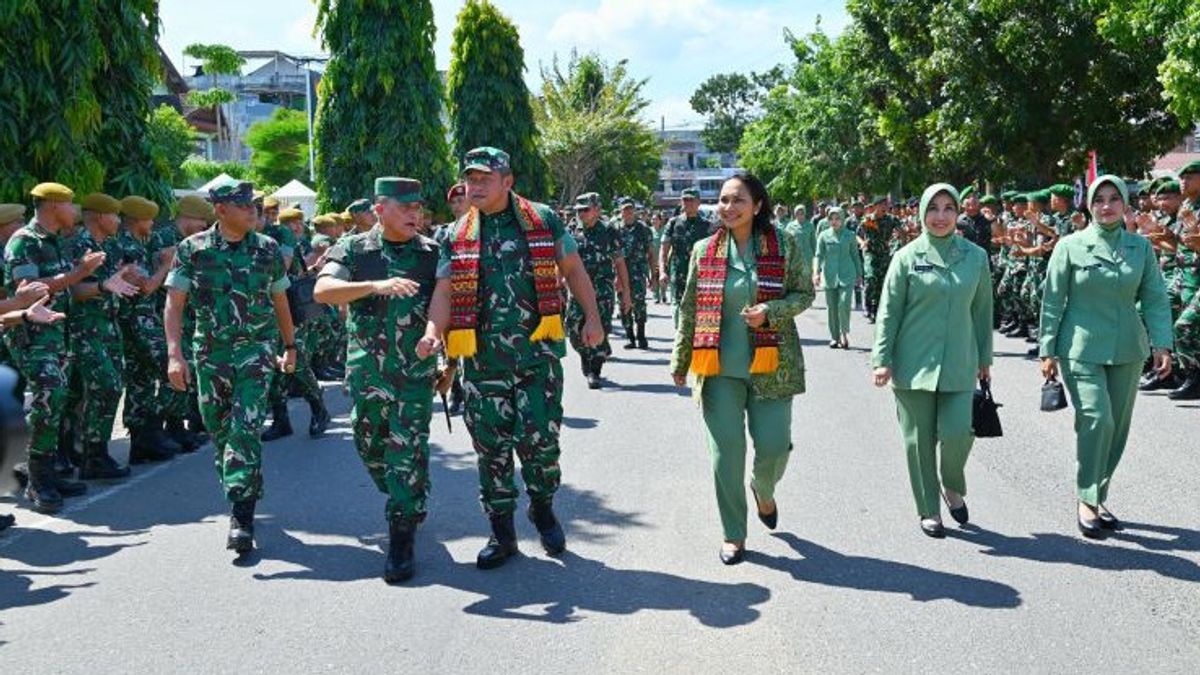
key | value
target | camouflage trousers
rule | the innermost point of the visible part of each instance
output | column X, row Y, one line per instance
column 390, row 419
column 326, row 338
column 575, row 320
column 1187, row 335
column 232, row 381
column 148, row 396
column 96, row 381
column 1030, row 295
column 44, row 368
column 1008, row 294
column 303, row 374
column 637, row 293
column 876, row 269
column 515, row 412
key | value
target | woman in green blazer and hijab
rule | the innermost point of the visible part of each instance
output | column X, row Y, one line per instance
column 1104, row 311
column 746, row 283
column 838, row 261
column 933, row 340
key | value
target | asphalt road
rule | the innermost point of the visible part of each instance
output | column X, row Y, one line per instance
column 135, row 578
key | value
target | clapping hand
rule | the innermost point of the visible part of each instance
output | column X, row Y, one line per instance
column 38, row 313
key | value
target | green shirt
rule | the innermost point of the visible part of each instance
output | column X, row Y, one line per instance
column 837, row 258
column 35, row 253
column 741, row 288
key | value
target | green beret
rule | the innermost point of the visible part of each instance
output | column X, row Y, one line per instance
column 1190, row 167
column 1019, row 197
column 989, row 200
column 290, row 214
column 52, row 192
column 1038, row 196
column 194, row 206
column 690, row 193
column 486, row 159
column 232, row 191
column 101, row 203
column 587, row 200
column 359, row 206
column 1062, row 190
column 139, row 208
column 967, row 192
column 1009, row 195
column 1168, row 186
column 11, row 212
column 403, row 190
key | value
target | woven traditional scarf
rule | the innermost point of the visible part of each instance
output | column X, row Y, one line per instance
column 464, row 279
column 710, row 292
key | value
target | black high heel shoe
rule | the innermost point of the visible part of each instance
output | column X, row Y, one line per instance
column 1107, row 520
column 960, row 515
column 733, row 557
column 769, row 519
column 1089, row 527
column 933, row 528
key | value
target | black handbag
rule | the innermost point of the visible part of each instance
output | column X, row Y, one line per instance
column 301, row 302
column 1053, row 395
column 985, row 419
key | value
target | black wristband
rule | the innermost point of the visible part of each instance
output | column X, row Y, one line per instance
column 24, row 316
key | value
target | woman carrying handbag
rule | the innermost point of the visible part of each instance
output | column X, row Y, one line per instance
column 933, row 340
column 1096, row 283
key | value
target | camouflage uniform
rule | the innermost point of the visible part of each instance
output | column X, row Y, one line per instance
column 876, row 257
column 683, row 233
column 513, row 385
column 40, row 350
column 391, row 388
column 166, row 237
column 230, row 284
column 636, row 241
column 598, row 245
column 96, row 348
column 311, row 389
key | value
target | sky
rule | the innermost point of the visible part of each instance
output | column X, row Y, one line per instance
column 677, row 44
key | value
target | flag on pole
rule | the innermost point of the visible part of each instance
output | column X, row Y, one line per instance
column 1093, row 170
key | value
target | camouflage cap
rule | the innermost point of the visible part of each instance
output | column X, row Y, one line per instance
column 625, row 201
column 359, row 206
column 586, row 201
column 1190, row 167
column 232, row 192
column 194, row 206
column 403, row 190
column 690, row 193
column 456, row 190
column 52, row 192
column 288, row 215
column 486, row 159
column 11, row 212
column 139, row 208
column 1062, row 190
column 101, row 203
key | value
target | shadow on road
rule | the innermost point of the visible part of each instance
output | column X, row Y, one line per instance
column 42, row 548
column 820, row 565
column 1052, row 547
column 580, row 422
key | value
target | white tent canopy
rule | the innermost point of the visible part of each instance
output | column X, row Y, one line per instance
column 296, row 192
column 216, row 181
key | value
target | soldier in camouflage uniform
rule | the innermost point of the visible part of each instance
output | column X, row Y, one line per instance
column 637, row 245
column 680, row 235
column 875, row 234
column 35, row 254
column 310, row 389
column 600, row 249
column 236, row 281
column 328, row 335
column 95, row 338
column 456, row 199
column 1186, row 286
column 12, row 218
column 387, row 276
column 503, row 259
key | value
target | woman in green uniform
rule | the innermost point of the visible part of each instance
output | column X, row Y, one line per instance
column 933, row 340
column 745, row 284
column 838, row 261
column 1096, row 283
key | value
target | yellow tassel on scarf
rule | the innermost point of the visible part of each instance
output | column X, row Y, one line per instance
column 766, row 360
column 461, row 343
column 706, row 362
column 549, row 328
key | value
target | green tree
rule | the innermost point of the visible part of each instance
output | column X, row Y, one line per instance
column 216, row 61
column 380, row 102
column 730, row 101
column 591, row 134
column 1172, row 25
column 171, row 142
column 197, row 170
column 488, row 101
column 280, row 147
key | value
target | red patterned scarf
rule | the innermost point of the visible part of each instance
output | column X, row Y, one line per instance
column 710, row 292
column 464, row 279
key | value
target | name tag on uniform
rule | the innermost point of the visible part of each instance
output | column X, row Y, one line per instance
column 922, row 268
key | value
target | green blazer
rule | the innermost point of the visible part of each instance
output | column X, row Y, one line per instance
column 798, row 295
column 934, row 325
column 837, row 258
column 1093, row 294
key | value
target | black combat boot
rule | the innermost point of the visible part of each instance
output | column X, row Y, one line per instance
column 144, row 448
column 241, row 527
column 630, row 340
column 281, row 424
column 1189, row 390
column 457, row 396
column 399, row 566
column 67, row 456
column 593, row 372
column 642, row 343
column 41, row 488
column 501, row 546
column 1008, row 325
column 7, row 521
column 99, row 465
column 177, row 433
column 319, row 420
column 541, row 514
column 1022, row 331
column 1152, row 382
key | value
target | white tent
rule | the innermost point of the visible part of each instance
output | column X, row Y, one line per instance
column 296, row 192
column 216, row 181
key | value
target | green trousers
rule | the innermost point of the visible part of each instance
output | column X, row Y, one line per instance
column 1103, row 397
column 730, row 408
column 928, row 418
column 390, row 419
column 232, row 381
column 837, row 303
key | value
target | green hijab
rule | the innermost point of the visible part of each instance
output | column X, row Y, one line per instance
column 931, row 192
column 1115, row 181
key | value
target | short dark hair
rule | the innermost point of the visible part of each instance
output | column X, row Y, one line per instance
column 758, row 193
